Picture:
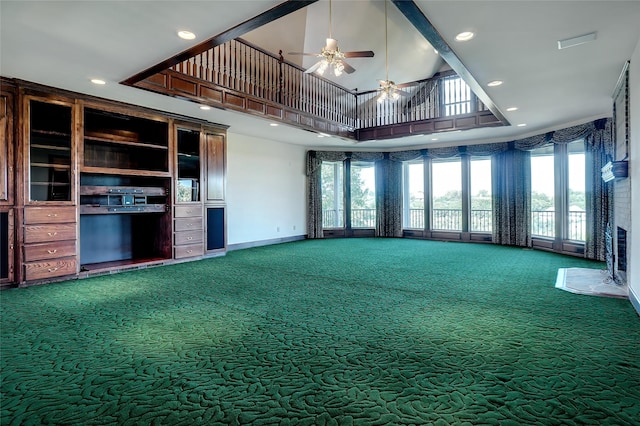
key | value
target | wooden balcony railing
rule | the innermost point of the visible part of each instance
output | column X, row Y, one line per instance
column 242, row 67
column 240, row 76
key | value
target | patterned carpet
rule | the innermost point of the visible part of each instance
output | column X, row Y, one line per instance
column 335, row 332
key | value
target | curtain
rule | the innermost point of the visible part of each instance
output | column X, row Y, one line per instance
column 487, row 149
column 314, row 187
column 314, row 196
column 598, row 147
column 388, row 198
column 511, row 193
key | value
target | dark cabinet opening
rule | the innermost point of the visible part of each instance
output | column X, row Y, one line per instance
column 4, row 245
column 123, row 219
column 215, row 228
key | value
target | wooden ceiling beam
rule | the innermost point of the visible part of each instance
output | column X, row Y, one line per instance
column 413, row 13
column 272, row 14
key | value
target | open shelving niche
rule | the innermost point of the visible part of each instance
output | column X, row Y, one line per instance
column 50, row 152
column 125, row 185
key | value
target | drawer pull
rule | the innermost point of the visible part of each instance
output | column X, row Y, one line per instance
column 189, row 238
column 54, row 251
column 52, row 215
column 53, row 269
column 189, row 211
column 189, row 251
column 52, row 234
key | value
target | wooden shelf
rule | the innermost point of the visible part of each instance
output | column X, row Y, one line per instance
column 51, row 165
column 128, row 172
column 120, row 265
column 116, row 209
column 49, row 133
column 117, row 190
column 126, row 142
column 50, row 147
column 50, row 183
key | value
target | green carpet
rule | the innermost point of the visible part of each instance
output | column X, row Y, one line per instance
column 336, row 332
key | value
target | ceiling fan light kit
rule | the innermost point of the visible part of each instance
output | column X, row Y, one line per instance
column 388, row 89
column 332, row 57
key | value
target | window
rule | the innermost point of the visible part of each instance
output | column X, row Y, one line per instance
column 543, row 192
column 363, row 195
column 456, row 96
column 413, row 195
column 576, row 197
column 447, row 195
column 332, row 195
column 558, row 196
column 480, row 195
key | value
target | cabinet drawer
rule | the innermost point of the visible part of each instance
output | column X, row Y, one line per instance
column 49, row 215
column 189, row 251
column 49, row 233
column 188, row 224
column 35, row 252
column 50, row 268
column 188, row 211
column 188, row 237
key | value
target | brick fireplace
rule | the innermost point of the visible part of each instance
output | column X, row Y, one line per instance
column 621, row 221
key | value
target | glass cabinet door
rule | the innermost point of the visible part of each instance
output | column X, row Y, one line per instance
column 49, row 151
column 188, row 177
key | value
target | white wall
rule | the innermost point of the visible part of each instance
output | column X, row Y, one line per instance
column 633, row 253
column 266, row 187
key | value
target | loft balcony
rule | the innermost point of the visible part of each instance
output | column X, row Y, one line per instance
column 238, row 76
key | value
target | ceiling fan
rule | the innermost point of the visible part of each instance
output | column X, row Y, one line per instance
column 388, row 90
column 332, row 57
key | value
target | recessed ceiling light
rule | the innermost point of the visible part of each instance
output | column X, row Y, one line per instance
column 494, row 83
column 434, row 139
column 522, row 124
column 205, row 107
column 186, row 35
column 273, row 124
column 465, row 36
column 98, row 81
column 512, row 109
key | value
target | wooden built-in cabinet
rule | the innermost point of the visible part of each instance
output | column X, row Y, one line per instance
column 7, row 233
column 125, row 188
column 49, row 221
column 216, row 170
column 49, row 242
column 89, row 186
column 188, row 225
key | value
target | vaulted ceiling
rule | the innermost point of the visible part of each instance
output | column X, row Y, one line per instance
column 66, row 43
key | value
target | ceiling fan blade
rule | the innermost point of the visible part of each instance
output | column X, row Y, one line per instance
column 402, row 93
column 302, row 53
column 400, row 86
column 348, row 68
column 313, row 67
column 359, row 54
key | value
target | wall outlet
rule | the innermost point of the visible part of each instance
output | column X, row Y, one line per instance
column 294, row 227
column 277, row 229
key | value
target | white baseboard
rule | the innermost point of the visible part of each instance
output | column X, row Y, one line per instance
column 635, row 300
column 250, row 244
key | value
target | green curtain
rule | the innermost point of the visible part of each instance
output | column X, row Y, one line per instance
column 511, row 192
column 388, row 198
